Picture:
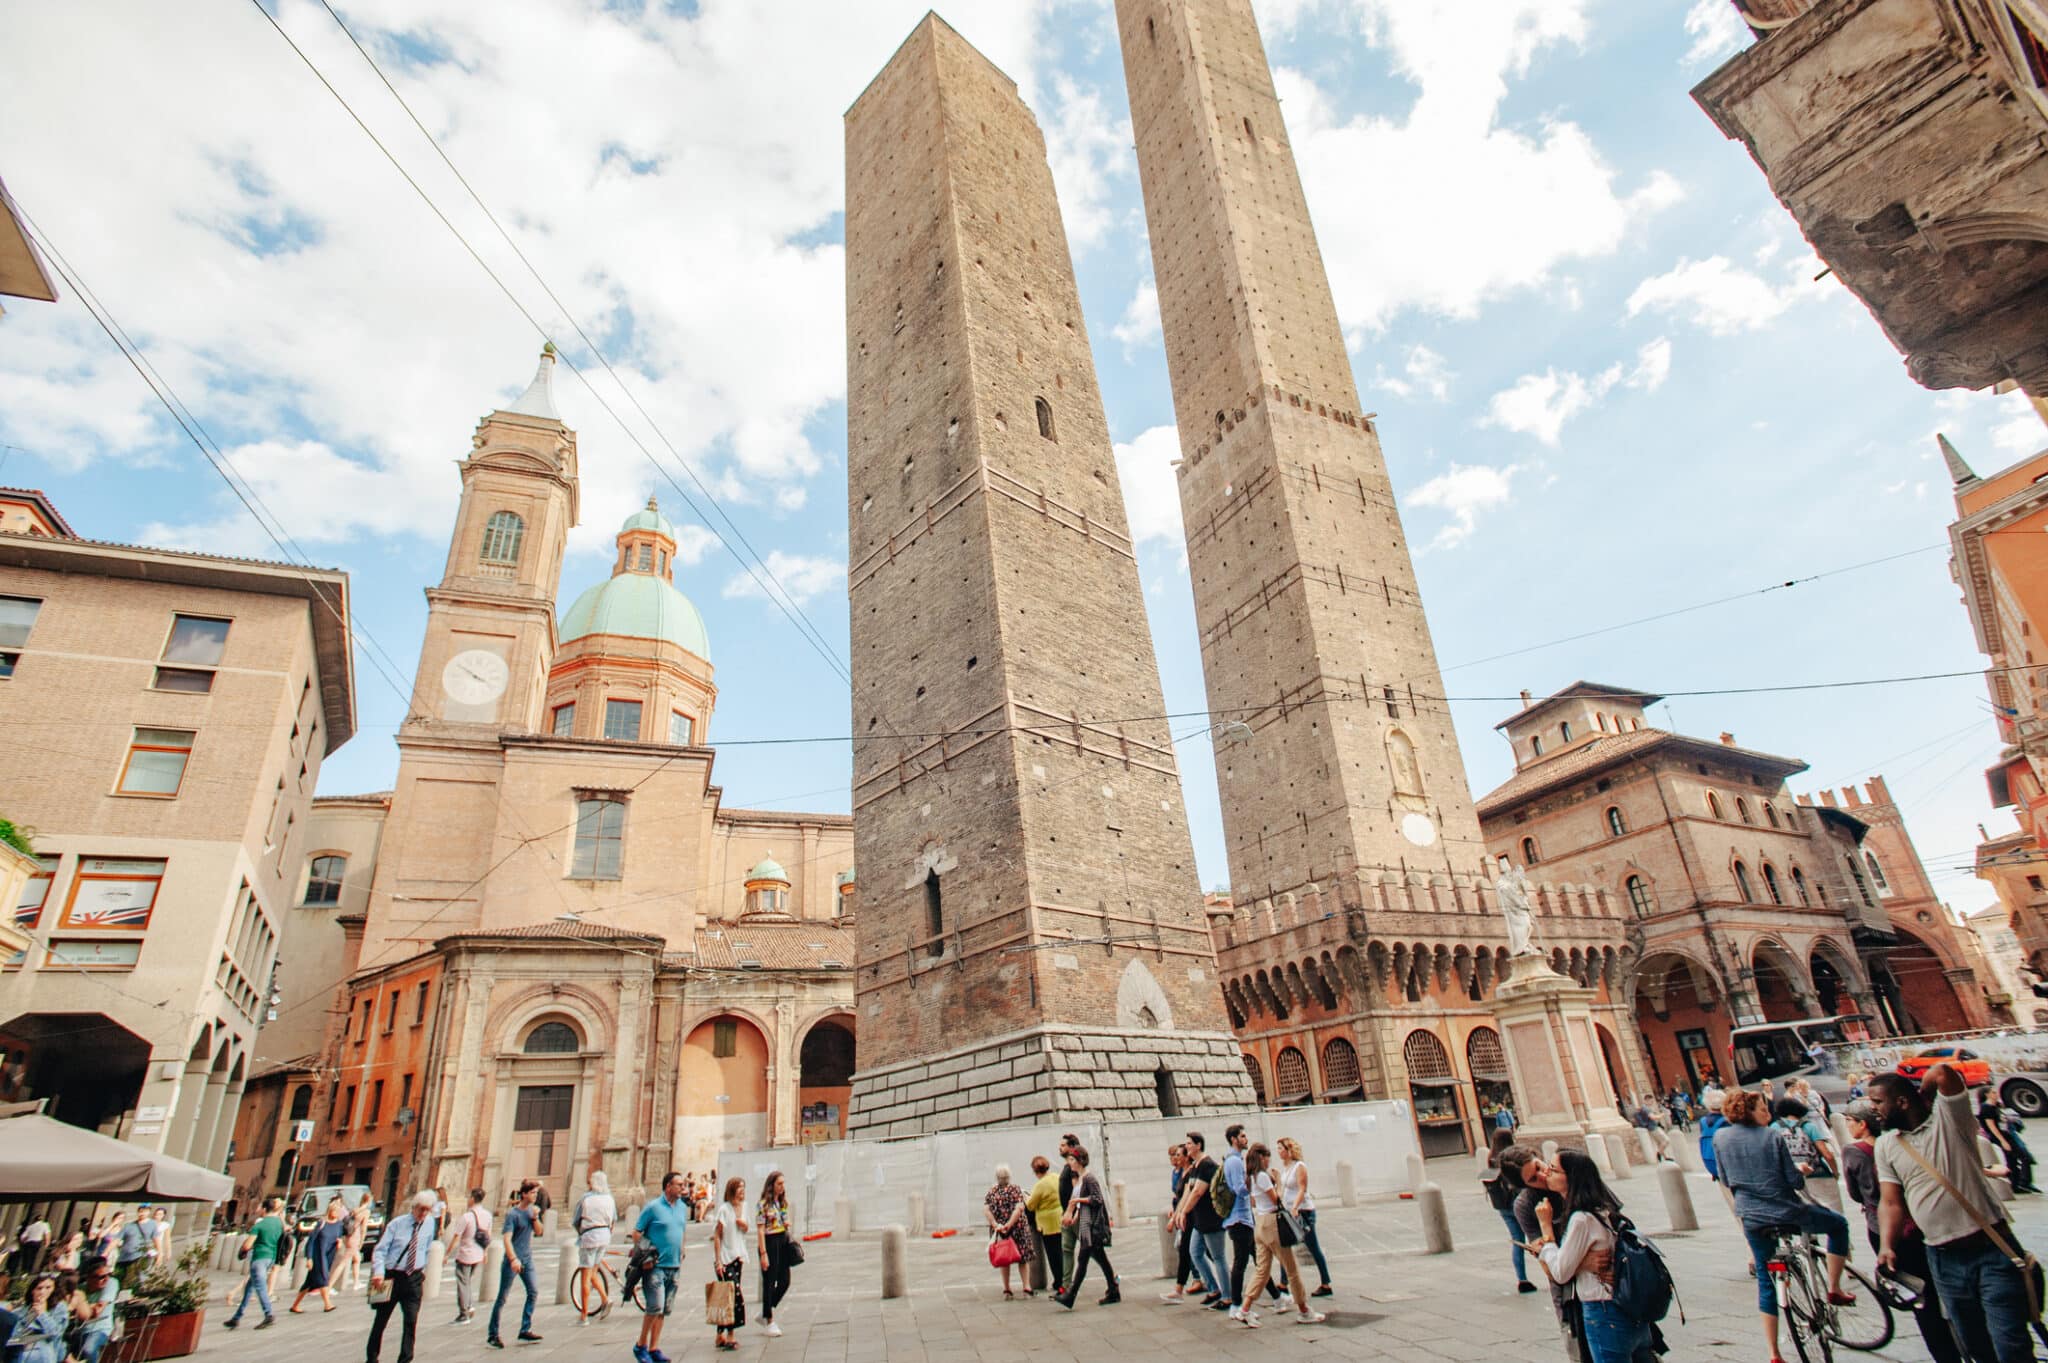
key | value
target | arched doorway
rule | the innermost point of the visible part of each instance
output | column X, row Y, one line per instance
column 1488, row 1064
column 1341, row 1080
column 1433, row 1088
column 1257, row 1074
column 1682, row 1017
column 1290, row 1077
column 1926, row 1000
column 722, row 1099
column 543, row 1077
column 1778, row 986
column 825, row 1078
column 1618, row 1081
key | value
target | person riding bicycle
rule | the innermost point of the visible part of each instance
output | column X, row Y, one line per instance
column 1756, row 1165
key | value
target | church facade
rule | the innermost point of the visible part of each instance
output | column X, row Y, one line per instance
column 571, row 955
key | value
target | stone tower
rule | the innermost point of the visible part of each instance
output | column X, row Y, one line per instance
column 1032, row 936
column 1312, row 629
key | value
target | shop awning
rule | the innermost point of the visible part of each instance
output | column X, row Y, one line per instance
column 1343, row 1094
column 42, row 1159
column 1432, row 1083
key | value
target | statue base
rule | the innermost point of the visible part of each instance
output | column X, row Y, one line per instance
column 1561, row 1085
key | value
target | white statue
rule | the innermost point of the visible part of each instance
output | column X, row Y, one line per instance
column 1513, row 888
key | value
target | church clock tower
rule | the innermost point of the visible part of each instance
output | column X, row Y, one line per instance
column 490, row 623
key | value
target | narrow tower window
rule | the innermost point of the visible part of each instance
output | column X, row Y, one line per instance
column 502, row 533
column 934, row 915
column 1045, row 420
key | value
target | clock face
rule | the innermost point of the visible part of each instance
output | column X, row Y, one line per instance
column 1419, row 830
column 475, row 677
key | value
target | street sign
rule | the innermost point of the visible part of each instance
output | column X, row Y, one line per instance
column 302, row 1132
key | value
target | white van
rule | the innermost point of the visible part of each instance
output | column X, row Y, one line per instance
column 1799, row 1049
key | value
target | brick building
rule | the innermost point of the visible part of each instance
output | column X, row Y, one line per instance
column 1032, row 937
column 1907, row 139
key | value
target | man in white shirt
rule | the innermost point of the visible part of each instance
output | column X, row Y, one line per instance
column 1927, row 1168
column 35, row 1237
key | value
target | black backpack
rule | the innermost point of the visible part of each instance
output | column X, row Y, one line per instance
column 1643, row 1289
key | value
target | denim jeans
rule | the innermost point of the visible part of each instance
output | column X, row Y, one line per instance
column 1206, row 1249
column 1521, row 1260
column 1315, row 1245
column 532, row 1284
column 259, row 1284
column 1982, row 1291
column 1612, row 1337
column 1763, row 1245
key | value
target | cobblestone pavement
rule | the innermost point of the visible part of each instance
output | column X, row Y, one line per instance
column 1392, row 1302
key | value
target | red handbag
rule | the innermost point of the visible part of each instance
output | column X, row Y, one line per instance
column 1003, row 1251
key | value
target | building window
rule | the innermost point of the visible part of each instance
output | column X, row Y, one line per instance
column 391, row 1012
column 1877, row 873
column 565, row 720
column 553, row 1038
column 404, row 1092
column 1714, row 805
column 155, row 764
column 29, row 908
column 1771, row 884
column 348, row 1108
column 1616, row 825
column 1639, row 897
column 1771, row 815
column 502, row 534
column 681, row 730
column 1862, row 885
column 622, row 719
column 323, row 881
column 1742, row 887
column 1799, row 887
column 17, row 618
column 1742, row 810
column 302, row 1102
column 419, row 1009
column 934, row 915
column 1258, row 1077
column 109, row 893
column 646, row 558
column 1601, row 720
column 1290, row 1077
column 1165, row 1091
column 1565, row 731
column 1529, row 857
column 363, row 1027
column 1393, row 706
column 1340, row 1069
column 376, row 1112
column 600, row 838
column 1536, row 745
column 725, row 1038
column 1045, row 419
column 195, row 648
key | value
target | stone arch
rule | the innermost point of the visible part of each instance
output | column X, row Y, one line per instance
column 1919, row 989
column 1341, row 1077
column 1836, row 980
column 1291, row 1081
column 1139, row 995
column 512, row 1018
column 1680, row 1004
column 1783, row 990
column 1257, row 1074
column 704, row 1123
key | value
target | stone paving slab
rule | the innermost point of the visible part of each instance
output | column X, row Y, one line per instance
column 1392, row 1302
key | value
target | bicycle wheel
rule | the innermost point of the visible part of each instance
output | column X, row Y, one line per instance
column 1801, row 1311
column 587, row 1293
column 1868, row 1324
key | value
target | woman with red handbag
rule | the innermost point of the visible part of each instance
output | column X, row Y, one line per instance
column 1009, row 1232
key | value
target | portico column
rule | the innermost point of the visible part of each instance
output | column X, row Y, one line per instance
column 224, row 1126
column 181, row 1132
column 209, row 1116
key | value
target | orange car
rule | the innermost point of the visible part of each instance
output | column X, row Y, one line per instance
column 1975, row 1071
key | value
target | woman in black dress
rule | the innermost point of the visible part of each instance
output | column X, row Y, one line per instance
column 320, row 1250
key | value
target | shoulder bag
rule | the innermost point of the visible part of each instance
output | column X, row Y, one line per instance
column 2029, row 1267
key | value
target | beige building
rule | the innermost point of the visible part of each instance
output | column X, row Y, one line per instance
column 173, row 711
column 563, row 951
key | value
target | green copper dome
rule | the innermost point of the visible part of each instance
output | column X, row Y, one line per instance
column 768, row 868
column 641, row 605
column 650, row 519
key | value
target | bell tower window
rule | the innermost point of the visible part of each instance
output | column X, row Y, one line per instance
column 1045, row 427
column 502, row 534
column 935, row 917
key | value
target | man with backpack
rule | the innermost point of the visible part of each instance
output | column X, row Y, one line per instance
column 1756, row 1165
column 1813, row 1149
column 470, row 1238
column 1198, row 1211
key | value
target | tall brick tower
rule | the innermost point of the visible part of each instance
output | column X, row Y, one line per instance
column 1032, row 936
column 1312, row 629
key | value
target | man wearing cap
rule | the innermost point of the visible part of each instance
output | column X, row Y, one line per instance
column 398, row 1271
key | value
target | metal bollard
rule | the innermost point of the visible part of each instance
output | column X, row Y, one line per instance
column 437, row 1257
column 1416, row 1177
column 1436, row 1222
column 547, row 1224
column 1617, row 1155
column 842, row 1218
column 1347, row 1185
column 1169, row 1249
column 565, row 1269
column 1677, row 1198
column 893, row 1274
column 1034, row 1267
column 916, row 1218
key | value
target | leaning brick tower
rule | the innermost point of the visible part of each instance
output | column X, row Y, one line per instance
column 1032, row 938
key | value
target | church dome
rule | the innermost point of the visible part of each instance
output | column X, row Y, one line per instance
column 640, row 605
column 649, row 519
column 768, row 868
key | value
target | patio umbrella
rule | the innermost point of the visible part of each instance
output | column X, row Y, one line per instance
column 42, row 1160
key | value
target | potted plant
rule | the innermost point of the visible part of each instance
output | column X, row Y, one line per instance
column 162, row 1316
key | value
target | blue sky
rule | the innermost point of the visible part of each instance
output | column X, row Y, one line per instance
column 1607, row 381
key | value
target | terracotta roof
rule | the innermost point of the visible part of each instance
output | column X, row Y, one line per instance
column 1582, row 689
column 775, row 946
column 558, row 931
column 42, row 500
column 1606, row 750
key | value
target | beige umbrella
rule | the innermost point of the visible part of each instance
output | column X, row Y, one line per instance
column 43, row 1160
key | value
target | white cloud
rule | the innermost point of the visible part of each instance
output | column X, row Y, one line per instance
column 1464, row 492
column 1088, row 151
column 2019, row 430
column 1653, row 366
column 1718, row 295
column 1144, row 470
column 1716, row 30
column 1540, row 404
column 1442, row 249
column 1140, row 323
column 1424, row 373
column 801, row 576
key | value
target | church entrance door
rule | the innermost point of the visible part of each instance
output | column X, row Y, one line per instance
column 540, row 1137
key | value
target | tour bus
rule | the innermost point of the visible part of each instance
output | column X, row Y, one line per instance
column 1803, row 1048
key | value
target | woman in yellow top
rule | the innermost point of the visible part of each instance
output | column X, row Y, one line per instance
column 1043, row 1203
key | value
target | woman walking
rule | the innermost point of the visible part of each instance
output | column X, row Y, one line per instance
column 1294, row 1196
column 1590, row 1215
column 772, row 1237
column 1503, row 1185
column 1273, row 1237
column 39, row 1331
column 351, row 1264
column 1088, row 1213
column 729, row 1255
column 1009, row 1231
column 321, row 1247
column 1999, row 1129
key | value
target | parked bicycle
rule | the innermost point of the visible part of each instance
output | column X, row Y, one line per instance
column 594, row 1289
column 1800, row 1272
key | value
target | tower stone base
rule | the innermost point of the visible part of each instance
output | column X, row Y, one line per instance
column 1050, row 1074
column 1560, row 1079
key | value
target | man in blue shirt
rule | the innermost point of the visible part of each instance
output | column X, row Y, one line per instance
column 1238, row 1225
column 400, row 1263
column 520, row 1222
column 662, row 1225
column 138, row 1241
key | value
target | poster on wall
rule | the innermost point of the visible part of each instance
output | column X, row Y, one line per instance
column 820, row 1122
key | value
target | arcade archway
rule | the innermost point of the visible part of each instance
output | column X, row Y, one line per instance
column 1682, row 1016
column 1781, row 990
column 722, row 1099
column 825, row 1078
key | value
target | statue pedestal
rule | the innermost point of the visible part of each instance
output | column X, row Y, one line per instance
column 1562, row 1092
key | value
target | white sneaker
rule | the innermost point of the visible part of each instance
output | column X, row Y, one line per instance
column 1250, row 1320
column 1311, row 1318
column 1170, row 1298
column 773, row 1329
column 1237, row 1313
